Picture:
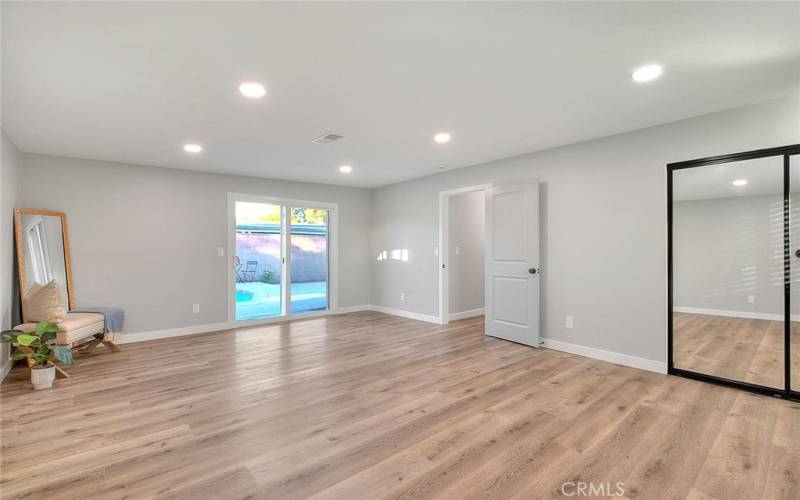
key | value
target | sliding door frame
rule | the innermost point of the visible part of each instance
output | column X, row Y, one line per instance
column 286, row 226
column 785, row 152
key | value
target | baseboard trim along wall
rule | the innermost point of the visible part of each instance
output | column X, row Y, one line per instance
column 589, row 352
column 465, row 314
column 406, row 314
column 128, row 338
column 733, row 314
column 612, row 357
column 353, row 309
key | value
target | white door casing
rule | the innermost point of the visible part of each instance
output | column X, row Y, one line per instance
column 512, row 262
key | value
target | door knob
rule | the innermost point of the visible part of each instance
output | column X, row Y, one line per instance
column 533, row 270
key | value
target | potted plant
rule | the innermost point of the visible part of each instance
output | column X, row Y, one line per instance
column 39, row 349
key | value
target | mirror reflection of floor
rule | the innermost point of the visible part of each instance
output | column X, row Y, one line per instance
column 742, row 349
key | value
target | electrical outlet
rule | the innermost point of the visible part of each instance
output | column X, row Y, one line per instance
column 751, row 299
column 195, row 308
column 220, row 252
column 458, row 250
column 570, row 322
column 435, row 250
column 402, row 296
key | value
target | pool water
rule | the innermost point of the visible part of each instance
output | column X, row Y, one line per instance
column 263, row 300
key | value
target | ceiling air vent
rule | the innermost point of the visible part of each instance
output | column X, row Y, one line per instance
column 327, row 139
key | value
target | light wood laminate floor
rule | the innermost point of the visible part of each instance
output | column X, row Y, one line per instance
column 368, row 406
column 744, row 349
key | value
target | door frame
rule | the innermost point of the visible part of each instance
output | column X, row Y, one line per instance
column 444, row 245
column 333, row 257
column 785, row 152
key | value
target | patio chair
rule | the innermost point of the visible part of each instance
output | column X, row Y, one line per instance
column 238, row 271
column 249, row 273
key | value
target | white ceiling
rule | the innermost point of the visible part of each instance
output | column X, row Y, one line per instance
column 132, row 82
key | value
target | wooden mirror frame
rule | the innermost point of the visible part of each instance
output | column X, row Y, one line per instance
column 21, row 256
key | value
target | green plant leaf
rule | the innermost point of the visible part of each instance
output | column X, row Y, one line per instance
column 9, row 336
column 17, row 357
column 46, row 326
column 47, row 336
column 62, row 353
column 26, row 339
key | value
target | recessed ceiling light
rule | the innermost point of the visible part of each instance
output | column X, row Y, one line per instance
column 442, row 138
column 345, row 169
column 442, row 167
column 739, row 182
column 253, row 90
column 192, row 148
column 647, row 73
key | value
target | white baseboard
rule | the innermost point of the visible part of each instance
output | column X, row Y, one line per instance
column 465, row 314
column 7, row 364
column 128, row 338
column 352, row 309
column 406, row 314
column 611, row 357
column 733, row 314
column 589, row 352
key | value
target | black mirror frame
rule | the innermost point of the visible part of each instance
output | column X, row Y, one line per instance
column 786, row 152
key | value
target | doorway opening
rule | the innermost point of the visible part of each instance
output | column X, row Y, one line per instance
column 462, row 221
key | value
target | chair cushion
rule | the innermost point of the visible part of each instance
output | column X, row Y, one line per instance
column 44, row 303
column 74, row 327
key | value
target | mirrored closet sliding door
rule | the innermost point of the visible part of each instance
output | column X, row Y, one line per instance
column 734, row 270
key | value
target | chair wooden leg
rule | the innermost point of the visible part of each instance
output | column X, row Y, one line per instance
column 111, row 345
column 60, row 373
column 89, row 346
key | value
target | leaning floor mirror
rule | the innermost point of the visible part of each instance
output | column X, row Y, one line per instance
column 734, row 270
column 43, row 260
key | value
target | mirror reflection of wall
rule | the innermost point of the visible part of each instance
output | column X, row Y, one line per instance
column 41, row 254
column 728, row 268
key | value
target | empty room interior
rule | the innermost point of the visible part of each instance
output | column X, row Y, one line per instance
column 367, row 250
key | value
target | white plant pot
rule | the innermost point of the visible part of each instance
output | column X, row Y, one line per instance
column 43, row 378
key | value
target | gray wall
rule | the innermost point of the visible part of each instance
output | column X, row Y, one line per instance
column 466, row 214
column 9, row 196
column 728, row 249
column 603, row 224
column 146, row 238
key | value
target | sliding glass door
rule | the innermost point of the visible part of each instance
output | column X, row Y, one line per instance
column 259, row 262
column 281, row 262
column 309, row 259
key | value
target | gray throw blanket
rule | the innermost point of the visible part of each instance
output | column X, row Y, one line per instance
column 114, row 318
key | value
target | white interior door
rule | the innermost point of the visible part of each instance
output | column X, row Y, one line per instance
column 512, row 262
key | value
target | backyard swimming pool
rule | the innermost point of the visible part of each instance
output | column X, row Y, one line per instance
column 260, row 300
